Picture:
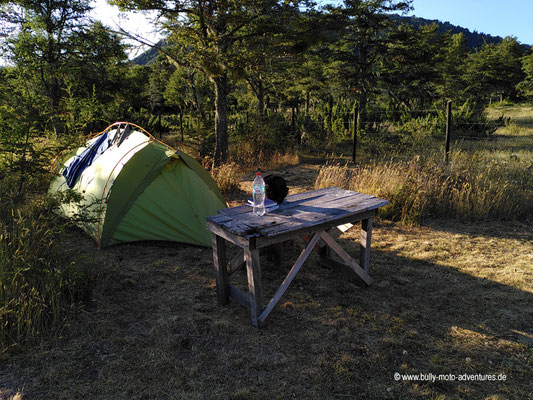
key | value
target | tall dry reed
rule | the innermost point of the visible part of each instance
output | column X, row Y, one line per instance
column 470, row 187
column 227, row 176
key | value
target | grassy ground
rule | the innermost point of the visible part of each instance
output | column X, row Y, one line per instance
column 511, row 143
column 448, row 298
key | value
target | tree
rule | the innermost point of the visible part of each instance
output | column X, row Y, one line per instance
column 97, row 59
column 41, row 42
column 95, row 79
column 525, row 87
column 409, row 68
column 187, row 90
column 62, row 71
column 78, row 66
column 495, row 70
column 176, row 94
column 451, row 68
column 160, row 72
column 272, row 64
column 358, row 52
column 20, row 124
column 210, row 36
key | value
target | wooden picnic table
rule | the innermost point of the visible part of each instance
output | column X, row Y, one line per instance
column 318, row 216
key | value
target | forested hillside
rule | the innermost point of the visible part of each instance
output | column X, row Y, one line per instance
column 474, row 40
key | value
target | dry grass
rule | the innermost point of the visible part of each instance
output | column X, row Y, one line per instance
column 41, row 282
column 448, row 298
column 468, row 188
column 230, row 176
column 227, row 176
column 485, row 179
column 521, row 115
column 279, row 160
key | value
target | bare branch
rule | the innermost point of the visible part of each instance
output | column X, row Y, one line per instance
column 146, row 42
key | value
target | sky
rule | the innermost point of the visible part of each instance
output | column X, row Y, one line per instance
column 136, row 23
column 496, row 17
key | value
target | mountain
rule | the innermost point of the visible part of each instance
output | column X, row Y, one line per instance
column 474, row 39
column 149, row 56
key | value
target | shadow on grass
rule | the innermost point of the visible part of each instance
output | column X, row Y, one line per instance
column 156, row 332
column 418, row 317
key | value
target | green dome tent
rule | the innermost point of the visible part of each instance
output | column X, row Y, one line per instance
column 134, row 187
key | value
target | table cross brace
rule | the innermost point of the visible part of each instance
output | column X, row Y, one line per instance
column 350, row 262
column 290, row 276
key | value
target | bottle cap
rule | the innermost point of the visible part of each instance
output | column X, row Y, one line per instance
column 258, row 173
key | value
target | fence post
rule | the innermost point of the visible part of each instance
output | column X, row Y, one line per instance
column 355, row 123
column 448, row 129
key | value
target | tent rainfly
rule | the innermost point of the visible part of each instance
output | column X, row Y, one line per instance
column 135, row 188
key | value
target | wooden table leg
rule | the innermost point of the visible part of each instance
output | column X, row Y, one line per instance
column 366, row 239
column 219, row 258
column 253, row 270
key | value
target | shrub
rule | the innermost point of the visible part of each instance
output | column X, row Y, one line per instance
column 471, row 121
column 40, row 281
column 419, row 128
column 254, row 143
column 339, row 130
column 313, row 133
column 206, row 145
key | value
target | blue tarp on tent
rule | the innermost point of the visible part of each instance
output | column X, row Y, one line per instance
column 85, row 159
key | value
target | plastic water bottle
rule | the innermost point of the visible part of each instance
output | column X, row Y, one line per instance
column 259, row 195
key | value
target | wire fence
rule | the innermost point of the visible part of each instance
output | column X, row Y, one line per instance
column 319, row 128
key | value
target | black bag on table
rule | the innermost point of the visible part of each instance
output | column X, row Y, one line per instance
column 276, row 188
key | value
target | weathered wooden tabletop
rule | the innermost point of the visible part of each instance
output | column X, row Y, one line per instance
column 297, row 212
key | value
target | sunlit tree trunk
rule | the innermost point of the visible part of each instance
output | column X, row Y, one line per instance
column 221, row 120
